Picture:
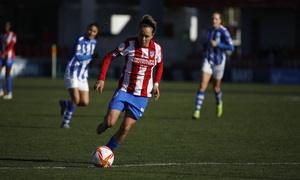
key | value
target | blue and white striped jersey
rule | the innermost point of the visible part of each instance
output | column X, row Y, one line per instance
column 78, row 64
column 223, row 38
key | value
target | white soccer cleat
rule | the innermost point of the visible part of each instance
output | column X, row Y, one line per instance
column 1, row 93
column 65, row 126
column 8, row 96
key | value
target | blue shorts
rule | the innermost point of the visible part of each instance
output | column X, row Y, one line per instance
column 122, row 100
column 7, row 62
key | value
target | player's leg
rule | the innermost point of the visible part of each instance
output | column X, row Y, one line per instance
column 8, row 84
column 205, row 77
column 218, row 94
column 70, row 106
column 84, row 97
column 109, row 120
column 79, row 97
column 9, row 64
column 135, row 107
column 115, row 107
column 1, row 88
column 217, row 78
column 128, row 121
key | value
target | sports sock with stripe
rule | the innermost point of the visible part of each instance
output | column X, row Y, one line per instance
column 199, row 100
column 69, row 112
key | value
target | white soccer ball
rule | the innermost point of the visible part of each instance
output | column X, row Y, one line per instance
column 103, row 156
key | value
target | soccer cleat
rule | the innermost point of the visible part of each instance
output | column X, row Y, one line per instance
column 62, row 107
column 220, row 109
column 101, row 128
column 65, row 126
column 8, row 96
column 1, row 93
column 196, row 114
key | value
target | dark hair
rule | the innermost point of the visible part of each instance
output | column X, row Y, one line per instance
column 99, row 28
column 148, row 21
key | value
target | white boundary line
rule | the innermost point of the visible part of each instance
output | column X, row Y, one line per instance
column 154, row 164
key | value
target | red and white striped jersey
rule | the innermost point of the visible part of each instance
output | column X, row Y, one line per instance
column 137, row 73
column 8, row 39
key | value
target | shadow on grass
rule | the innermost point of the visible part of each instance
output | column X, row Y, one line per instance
column 60, row 117
column 29, row 127
column 41, row 161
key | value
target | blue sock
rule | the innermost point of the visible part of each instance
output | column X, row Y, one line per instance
column 8, row 85
column 199, row 100
column 69, row 112
column 219, row 97
column 65, row 103
column 0, row 81
column 112, row 144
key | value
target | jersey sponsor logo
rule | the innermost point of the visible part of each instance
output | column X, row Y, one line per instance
column 151, row 54
column 142, row 61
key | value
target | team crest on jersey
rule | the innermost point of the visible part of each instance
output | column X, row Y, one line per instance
column 151, row 54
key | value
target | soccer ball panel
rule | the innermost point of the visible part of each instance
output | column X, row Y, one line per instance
column 102, row 156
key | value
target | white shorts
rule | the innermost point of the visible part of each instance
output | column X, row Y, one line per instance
column 81, row 84
column 217, row 70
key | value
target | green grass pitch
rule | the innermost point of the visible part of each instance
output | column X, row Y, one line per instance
column 256, row 138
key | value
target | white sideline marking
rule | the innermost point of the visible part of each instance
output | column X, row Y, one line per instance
column 158, row 164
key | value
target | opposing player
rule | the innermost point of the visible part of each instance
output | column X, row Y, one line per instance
column 7, row 58
column 76, row 73
column 213, row 65
column 135, row 87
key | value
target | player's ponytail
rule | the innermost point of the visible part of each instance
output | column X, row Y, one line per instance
column 148, row 21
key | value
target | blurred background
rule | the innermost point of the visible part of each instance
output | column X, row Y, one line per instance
column 266, row 35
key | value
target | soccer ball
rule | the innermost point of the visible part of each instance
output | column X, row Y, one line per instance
column 103, row 156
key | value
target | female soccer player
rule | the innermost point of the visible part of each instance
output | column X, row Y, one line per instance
column 7, row 58
column 218, row 41
column 76, row 73
column 135, row 87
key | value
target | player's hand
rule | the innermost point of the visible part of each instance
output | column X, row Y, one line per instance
column 213, row 43
column 99, row 85
column 156, row 92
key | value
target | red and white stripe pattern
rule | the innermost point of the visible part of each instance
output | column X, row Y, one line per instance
column 9, row 40
column 137, row 74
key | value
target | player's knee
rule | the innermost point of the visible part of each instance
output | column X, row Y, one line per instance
column 84, row 103
column 75, row 102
